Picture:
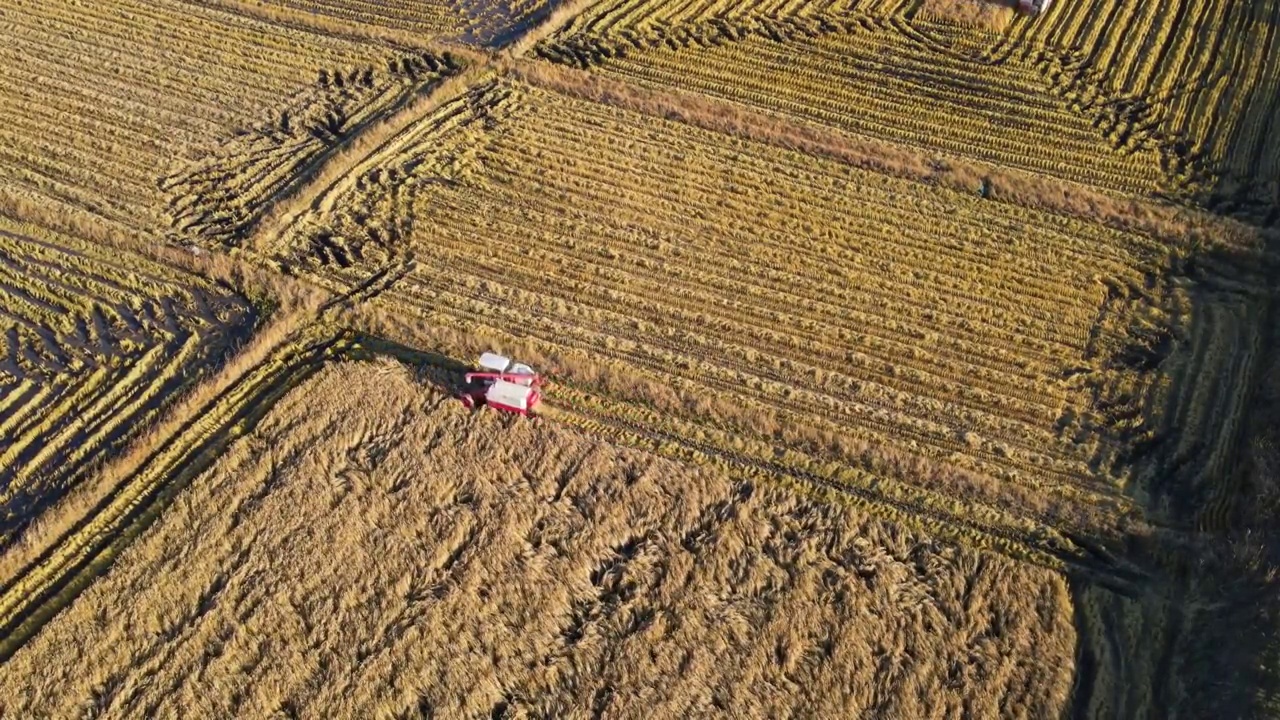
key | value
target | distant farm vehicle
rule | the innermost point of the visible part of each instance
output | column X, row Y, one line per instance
column 1033, row 7
column 503, row 384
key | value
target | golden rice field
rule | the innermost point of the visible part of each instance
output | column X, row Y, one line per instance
column 902, row 359
column 169, row 117
column 96, row 343
column 987, row 368
column 370, row 549
column 1129, row 96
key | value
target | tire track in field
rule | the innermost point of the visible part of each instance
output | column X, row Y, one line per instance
column 86, row 550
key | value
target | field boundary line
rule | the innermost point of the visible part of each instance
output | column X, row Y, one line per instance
column 53, row 580
column 327, row 172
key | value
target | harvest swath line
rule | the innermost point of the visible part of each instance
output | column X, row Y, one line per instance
column 1197, row 471
column 432, row 18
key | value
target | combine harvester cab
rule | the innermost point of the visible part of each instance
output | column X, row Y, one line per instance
column 503, row 385
column 1033, row 7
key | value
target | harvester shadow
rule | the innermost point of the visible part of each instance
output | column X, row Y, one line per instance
column 445, row 373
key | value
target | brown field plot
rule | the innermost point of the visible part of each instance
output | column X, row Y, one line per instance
column 371, row 549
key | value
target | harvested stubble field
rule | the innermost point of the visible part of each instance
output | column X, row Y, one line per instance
column 1166, row 98
column 170, row 117
column 370, row 549
column 884, row 379
column 97, row 342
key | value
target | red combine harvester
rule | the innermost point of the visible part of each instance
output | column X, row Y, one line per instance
column 503, row 385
